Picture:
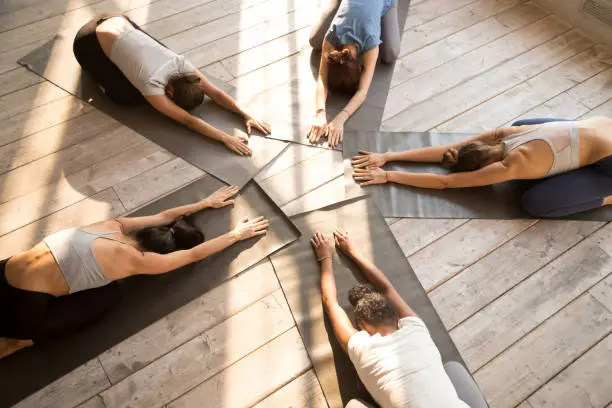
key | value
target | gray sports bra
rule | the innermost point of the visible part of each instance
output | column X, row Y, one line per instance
column 73, row 252
column 562, row 137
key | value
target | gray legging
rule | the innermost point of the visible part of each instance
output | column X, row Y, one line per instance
column 466, row 387
column 390, row 35
column 568, row 193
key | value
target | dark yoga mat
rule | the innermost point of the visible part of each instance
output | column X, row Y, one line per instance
column 55, row 62
column 500, row 201
column 146, row 299
column 290, row 107
column 299, row 274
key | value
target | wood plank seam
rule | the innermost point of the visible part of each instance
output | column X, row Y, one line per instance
column 457, row 31
column 517, row 85
column 427, row 21
column 513, row 343
column 170, row 402
column 312, row 189
column 407, row 56
column 438, row 238
column 597, row 299
column 526, row 277
column 479, row 74
column 475, row 261
column 96, row 134
column 561, row 370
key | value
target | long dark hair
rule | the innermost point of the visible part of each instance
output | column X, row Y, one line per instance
column 181, row 234
column 186, row 90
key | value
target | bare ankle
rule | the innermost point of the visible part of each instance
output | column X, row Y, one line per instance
column 607, row 201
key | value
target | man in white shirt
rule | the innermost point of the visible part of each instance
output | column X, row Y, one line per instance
column 393, row 353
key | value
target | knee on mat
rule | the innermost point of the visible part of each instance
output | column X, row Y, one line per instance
column 390, row 54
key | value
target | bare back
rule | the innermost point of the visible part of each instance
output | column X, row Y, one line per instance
column 37, row 270
column 534, row 159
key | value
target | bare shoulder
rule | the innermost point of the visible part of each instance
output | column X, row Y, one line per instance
column 105, row 226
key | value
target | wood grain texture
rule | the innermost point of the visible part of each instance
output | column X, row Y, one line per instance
column 595, row 91
column 157, row 181
column 414, row 234
column 506, row 267
column 531, row 93
column 425, row 11
column 471, row 64
column 603, row 292
column 415, row 38
column 29, row 98
column 462, row 247
column 303, row 392
column 17, row 79
column 189, row 321
column 253, row 378
column 70, row 390
column 524, row 307
column 329, row 193
column 561, row 106
column 464, row 41
column 204, row 356
column 540, row 355
column 583, row 384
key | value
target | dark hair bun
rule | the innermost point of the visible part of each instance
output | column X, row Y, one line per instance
column 450, row 158
column 181, row 234
column 357, row 292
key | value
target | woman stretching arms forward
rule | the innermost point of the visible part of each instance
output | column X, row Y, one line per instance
column 573, row 158
column 351, row 32
column 66, row 280
column 132, row 67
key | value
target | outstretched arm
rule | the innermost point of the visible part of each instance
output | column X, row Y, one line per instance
column 164, row 105
column 491, row 174
column 319, row 121
column 335, row 129
column 220, row 198
column 224, row 100
column 342, row 326
column 374, row 275
column 151, row 263
column 431, row 154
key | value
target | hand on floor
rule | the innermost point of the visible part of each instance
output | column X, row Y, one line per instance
column 317, row 127
column 237, row 145
column 322, row 247
column 262, row 126
column 343, row 242
column 368, row 159
column 220, row 198
column 369, row 176
column 335, row 132
column 250, row 228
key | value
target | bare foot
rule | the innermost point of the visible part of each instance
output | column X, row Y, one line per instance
column 9, row 346
column 607, row 201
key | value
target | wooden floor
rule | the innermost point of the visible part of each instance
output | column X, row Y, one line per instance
column 528, row 303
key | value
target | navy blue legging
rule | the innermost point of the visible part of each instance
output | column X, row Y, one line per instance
column 568, row 193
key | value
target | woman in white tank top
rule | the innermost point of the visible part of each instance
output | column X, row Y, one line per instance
column 132, row 67
column 575, row 158
column 67, row 279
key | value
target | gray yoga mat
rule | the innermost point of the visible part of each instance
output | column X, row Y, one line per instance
column 299, row 275
column 55, row 62
column 146, row 299
column 500, row 201
column 289, row 107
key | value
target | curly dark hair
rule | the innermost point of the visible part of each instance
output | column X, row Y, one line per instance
column 374, row 309
column 357, row 292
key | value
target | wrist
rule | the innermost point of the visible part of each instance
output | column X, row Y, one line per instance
column 342, row 116
column 387, row 156
column 233, row 236
column 389, row 176
column 325, row 258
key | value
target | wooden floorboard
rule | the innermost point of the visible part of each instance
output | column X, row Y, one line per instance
column 528, row 303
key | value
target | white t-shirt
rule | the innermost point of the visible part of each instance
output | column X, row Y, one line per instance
column 403, row 369
column 147, row 64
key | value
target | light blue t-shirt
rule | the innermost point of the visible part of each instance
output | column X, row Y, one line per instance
column 358, row 22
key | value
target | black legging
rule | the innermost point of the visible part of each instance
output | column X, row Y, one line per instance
column 568, row 193
column 38, row 316
column 94, row 61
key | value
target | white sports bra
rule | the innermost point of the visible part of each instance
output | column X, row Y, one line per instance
column 562, row 137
